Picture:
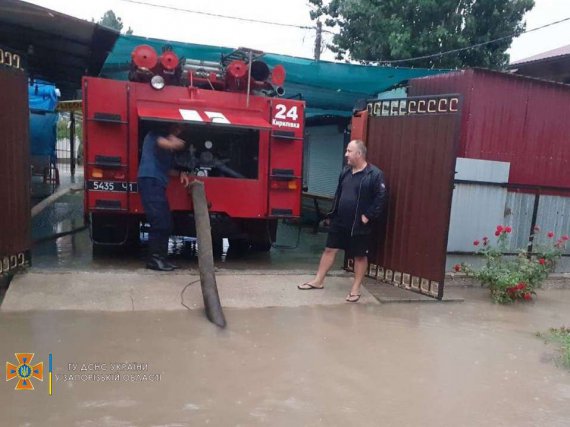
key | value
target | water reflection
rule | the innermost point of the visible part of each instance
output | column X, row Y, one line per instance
column 296, row 248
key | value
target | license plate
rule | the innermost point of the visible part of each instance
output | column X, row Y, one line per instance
column 112, row 186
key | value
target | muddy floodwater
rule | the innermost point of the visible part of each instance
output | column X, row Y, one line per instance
column 278, row 363
column 296, row 247
column 433, row 364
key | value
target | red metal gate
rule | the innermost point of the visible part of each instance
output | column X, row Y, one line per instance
column 414, row 141
column 14, row 171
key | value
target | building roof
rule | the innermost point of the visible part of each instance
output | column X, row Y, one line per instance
column 551, row 65
column 55, row 47
column 548, row 55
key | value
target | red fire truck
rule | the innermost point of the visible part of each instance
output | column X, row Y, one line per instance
column 245, row 144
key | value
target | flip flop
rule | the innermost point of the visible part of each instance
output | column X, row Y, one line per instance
column 308, row 287
column 353, row 297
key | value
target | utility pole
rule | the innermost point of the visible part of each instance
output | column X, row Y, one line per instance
column 318, row 41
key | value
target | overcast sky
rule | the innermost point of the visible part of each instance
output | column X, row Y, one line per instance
column 182, row 26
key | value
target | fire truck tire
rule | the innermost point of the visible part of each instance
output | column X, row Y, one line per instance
column 217, row 247
column 109, row 231
column 261, row 246
column 238, row 246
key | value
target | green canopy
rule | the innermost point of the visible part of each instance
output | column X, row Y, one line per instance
column 328, row 88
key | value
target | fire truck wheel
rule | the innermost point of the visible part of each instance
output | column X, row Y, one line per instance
column 217, row 247
column 238, row 247
column 112, row 234
column 261, row 246
column 102, row 250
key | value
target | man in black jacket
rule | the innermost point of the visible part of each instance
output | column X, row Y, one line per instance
column 359, row 200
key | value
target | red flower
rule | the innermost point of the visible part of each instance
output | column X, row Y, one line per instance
column 457, row 267
column 550, row 234
column 497, row 233
column 511, row 290
column 521, row 286
column 476, row 243
column 508, row 229
column 527, row 296
column 565, row 238
column 499, row 228
column 542, row 261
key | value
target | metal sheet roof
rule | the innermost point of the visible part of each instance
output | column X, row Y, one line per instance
column 56, row 47
column 550, row 54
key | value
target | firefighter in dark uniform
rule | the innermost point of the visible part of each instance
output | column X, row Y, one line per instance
column 360, row 199
column 154, row 168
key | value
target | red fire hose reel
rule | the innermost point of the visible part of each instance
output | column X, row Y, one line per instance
column 231, row 74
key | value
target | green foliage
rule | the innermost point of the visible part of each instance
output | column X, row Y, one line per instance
column 514, row 279
column 110, row 20
column 374, row 30
column 63, row 132
column 561, row 338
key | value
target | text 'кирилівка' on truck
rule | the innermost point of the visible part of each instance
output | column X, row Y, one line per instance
column 245, row 144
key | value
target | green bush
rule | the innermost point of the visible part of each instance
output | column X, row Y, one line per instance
column 514, row 279
column 561, row 338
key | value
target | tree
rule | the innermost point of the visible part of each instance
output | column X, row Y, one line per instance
column 110, row 20
column 384, row 30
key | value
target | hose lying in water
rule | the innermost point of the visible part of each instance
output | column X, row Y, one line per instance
column 210, row 294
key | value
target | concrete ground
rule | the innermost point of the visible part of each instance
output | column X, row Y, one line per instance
column 142, row 290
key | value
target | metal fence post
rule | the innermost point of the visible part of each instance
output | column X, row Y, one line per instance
column 72, row 142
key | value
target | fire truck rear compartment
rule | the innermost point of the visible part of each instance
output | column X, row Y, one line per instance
column 219, row 151
column 214, row 150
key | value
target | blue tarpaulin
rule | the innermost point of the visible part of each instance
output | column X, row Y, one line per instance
column 43, row 133
column 329, row 88
column 42, row 96
column 43, row 118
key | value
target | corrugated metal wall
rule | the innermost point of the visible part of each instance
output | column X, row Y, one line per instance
column 512, row 119
column 324, row 156
column 520, row 121
column 14, row 169
column 475, row 212
column 476, row 209
column 553, row 215
column 518, row 211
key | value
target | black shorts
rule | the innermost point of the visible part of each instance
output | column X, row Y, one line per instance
column 355, row 246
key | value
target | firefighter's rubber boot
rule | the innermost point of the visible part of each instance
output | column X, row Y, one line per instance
column 156, row 262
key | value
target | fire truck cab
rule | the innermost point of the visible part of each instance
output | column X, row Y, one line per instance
column 245, row 143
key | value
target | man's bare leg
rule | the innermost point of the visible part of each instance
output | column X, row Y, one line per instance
column 327, row 261
column 360, row 265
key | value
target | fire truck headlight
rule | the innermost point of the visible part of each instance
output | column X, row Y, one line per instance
column 157, row 82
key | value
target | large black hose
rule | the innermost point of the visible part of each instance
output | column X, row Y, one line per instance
column 58, row 235
column 210, row 294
